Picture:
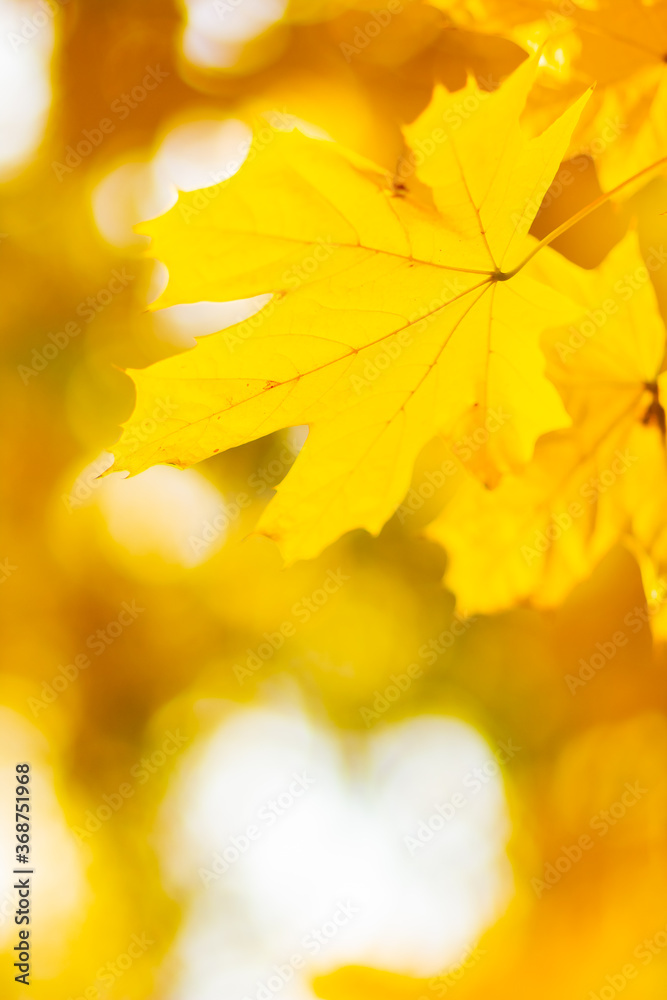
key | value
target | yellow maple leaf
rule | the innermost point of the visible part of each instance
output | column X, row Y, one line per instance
column 619, row 46
column 624, row 48
column 587, row 487
column 389, row 317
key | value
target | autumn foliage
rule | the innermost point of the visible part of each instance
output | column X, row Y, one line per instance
column 438, row 400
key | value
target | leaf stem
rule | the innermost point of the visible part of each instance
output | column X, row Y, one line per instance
column 578, row 216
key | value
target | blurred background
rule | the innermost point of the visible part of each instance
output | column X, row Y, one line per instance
column 249, row 781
